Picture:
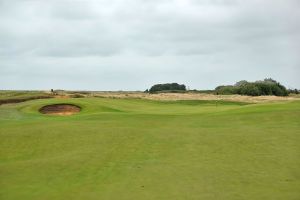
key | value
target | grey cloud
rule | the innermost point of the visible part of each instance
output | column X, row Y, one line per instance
column 165, row 40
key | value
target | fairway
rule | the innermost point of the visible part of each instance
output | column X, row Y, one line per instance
column 127, row 149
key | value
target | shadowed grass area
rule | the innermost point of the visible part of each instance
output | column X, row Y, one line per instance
column 142, row 149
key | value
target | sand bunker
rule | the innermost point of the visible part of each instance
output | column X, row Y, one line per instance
column 60, row 109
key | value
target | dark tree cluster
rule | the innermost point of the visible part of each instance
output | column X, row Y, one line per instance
column 266, row 87
column 293, row 91
column 168, row 87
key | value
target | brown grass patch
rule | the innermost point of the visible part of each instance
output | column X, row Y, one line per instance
column 193, row 96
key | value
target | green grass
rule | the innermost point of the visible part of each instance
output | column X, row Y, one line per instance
column 141, row 149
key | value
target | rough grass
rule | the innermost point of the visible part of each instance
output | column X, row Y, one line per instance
column 12, row 94
column 142, row 149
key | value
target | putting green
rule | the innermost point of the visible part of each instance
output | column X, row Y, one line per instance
column 141, row 149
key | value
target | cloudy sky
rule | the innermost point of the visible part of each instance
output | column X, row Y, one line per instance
column 132, row 44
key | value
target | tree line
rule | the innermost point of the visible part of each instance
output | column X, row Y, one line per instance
column 167, row 87
column 267, row 86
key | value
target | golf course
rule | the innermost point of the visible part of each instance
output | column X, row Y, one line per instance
column 149, row 100
column 126, row 149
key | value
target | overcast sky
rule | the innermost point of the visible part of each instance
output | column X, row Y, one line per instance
column 133, row 44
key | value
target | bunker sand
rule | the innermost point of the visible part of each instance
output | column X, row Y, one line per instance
column 60, row 109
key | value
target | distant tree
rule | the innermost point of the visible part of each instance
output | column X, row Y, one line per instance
column 293, row 91
column 250, row 89
column 226, row 89
column 240, row 83
column 267, row 86
column 270, row 80
column 170, row 87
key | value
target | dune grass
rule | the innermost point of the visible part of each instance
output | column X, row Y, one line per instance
column 13, row 94
column 142, row 149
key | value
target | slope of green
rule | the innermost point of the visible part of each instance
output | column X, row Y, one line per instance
column 141, row 149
